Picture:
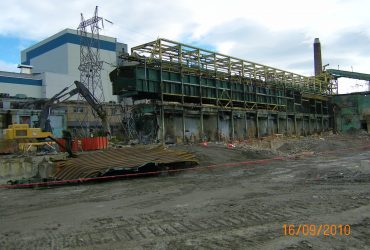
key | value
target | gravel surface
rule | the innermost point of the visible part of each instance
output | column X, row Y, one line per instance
column 229, row 207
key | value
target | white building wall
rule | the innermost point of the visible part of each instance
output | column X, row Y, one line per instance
column 28, row 90
column 55, row 61
column 74, row 60
column 60, row 62
column 53, row 83
column 105, row 56
column 43, row 42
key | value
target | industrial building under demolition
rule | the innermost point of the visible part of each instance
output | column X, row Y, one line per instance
column 173, row 92
column 195, row 94
column 241, row 155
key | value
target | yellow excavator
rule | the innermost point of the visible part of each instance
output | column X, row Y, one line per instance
column 23, row 131
column 22, row 137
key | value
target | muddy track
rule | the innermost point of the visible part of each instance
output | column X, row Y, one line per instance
column 239, row 208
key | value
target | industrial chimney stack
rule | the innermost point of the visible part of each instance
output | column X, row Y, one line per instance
column 317, row 56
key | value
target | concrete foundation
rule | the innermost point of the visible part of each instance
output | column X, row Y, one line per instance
column 25, row 167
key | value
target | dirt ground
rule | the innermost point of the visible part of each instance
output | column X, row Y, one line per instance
column 245, row 206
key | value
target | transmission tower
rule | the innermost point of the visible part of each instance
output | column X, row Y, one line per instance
column 90, row 67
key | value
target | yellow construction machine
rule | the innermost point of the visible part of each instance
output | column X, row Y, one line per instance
column 23, row 131
column 20, row 137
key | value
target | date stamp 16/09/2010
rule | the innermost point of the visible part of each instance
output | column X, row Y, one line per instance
column 316, row 230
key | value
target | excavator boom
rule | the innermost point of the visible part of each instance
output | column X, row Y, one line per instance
column 95, row 105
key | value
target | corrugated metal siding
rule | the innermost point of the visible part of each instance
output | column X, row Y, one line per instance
column 97, row 163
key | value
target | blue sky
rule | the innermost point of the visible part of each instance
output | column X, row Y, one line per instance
column 10, row 48
column 276, row 33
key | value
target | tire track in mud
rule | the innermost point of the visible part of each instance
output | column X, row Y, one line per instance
column 150, row 227
column 137, row 229
column 361, row 231
column 171, row 225
column 238, row 240
column 212, row 231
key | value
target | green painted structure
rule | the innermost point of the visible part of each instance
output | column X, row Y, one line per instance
column 348, row 74
column 213, row 96
column 352, row 111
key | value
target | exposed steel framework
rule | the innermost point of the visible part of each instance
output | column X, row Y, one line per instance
column 90, row 68
column 90, row 62
column 232, row 97
column 175, row 56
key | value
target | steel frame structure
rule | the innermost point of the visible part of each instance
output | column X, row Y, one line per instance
column 175, row 56
column 179, row 76
column 90, row 64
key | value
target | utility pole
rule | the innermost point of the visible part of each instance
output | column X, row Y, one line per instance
column 90, row 64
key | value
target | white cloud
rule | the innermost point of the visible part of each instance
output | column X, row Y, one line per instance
column 5, row 66
column 225, row 47
column 36, row 20
column 276, row 33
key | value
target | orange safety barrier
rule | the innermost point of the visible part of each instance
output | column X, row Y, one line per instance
column 75, row 144
column 94, row 143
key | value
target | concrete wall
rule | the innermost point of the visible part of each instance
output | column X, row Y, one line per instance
column 55, row 61
column 58, row 57
column 60, row 67
column 16, row 168
column 53, row 83
column 219, row 127
column 239, row 127
column 13, row 89
column 210, row 127
column 105, row 56
column 25, row 167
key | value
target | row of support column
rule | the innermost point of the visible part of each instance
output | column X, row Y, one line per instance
column 256, row 115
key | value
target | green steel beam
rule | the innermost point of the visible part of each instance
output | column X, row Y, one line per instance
column 348, row 74
column 192, row 57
